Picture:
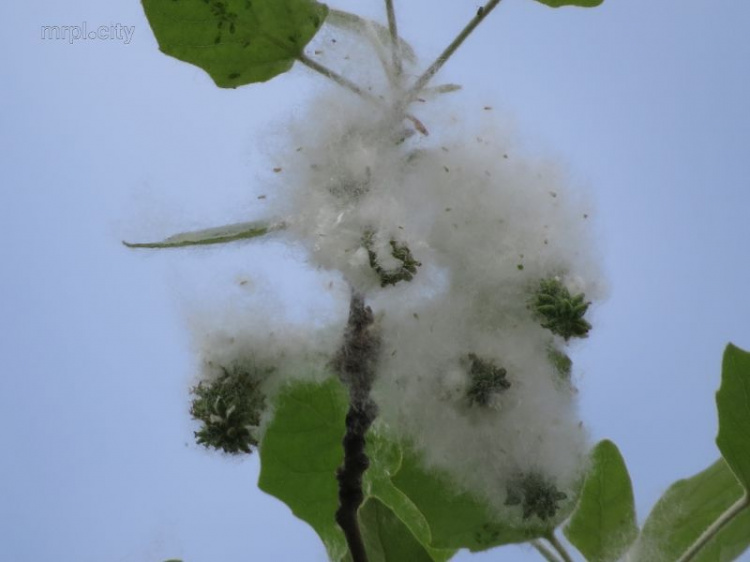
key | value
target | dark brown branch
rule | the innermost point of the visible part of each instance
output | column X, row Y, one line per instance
column 356, row 363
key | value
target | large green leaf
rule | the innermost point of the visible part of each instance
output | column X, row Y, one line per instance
column 218, row 235
column 686, row 510
column 603, row 524
column 300, row 452
column 580, row 3
column 386, row 537
column 456, row 520
column 733, row 404
column 236, row 41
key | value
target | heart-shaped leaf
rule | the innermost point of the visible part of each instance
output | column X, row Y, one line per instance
column 236, row 41
column 300, row 452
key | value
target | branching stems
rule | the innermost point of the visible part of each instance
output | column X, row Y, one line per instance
column 433, row 69
column 426, row 76
column 714, row 529
column 558, row 546
column 546, row 553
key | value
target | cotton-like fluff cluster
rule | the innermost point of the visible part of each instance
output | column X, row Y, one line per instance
column 480, row 228
column 272, row 354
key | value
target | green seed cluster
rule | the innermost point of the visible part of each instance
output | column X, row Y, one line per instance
column 399, row 251
column 535, row 495
column 559, row 311
column 229, row 408
column 487, row 379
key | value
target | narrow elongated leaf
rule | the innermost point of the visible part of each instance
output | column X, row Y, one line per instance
column 579, row 3
column 603, row 524
column 300, row 452
column 386, row 537
column 434, row 91
column 686, row 510
column 362, row 26
column 733, row 404
column 218, row 235
column 456, row 520
column 236, row 41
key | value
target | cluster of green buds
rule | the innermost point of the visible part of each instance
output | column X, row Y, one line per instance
column 559, row 311
column 229, row 409
column 486, row 380
column 400, row 252
column 536, row 496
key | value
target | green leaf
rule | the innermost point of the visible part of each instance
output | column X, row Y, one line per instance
column 733, row 404
column 686, row 510
column 300, row 452
column 386, row 537
column 236, row 41
column 603, row 525
column 385, row 460
column 456, row 520
column 299, row 455
column 580, row 3
column 362, row 26
column 218, row 235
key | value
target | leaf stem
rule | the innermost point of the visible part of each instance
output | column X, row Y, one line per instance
column 351, row 86
column 422, row 81
column 395, row 45
column 558, row 546
column 715, row 527
column 336, row 77
column 546, row 553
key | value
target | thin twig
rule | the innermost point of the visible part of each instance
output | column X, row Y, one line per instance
column 395, row 44
column 336, row 77
column 355, row 364
column 558, row 546
column 422, row 81
column 546, row 553
column 717, row 526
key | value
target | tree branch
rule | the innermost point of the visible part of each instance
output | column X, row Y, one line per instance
column 355, row 364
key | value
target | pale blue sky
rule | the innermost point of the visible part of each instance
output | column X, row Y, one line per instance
column 646, row 102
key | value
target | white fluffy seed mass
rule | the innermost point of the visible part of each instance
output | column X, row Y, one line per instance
column 485, row 226
column 447, row 236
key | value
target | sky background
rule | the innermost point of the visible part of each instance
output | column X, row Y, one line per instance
column 644, row 102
